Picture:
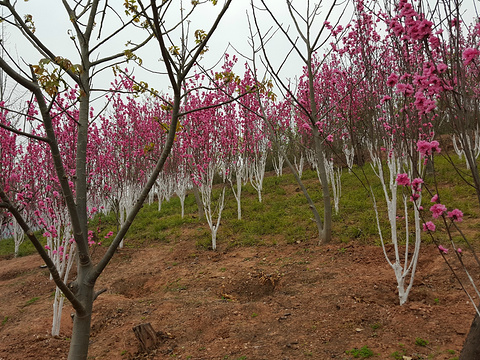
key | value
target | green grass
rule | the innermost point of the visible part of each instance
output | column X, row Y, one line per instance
column 283, row 216
column 32, row 301
column 7, row 246
column 421, row 342
column 364, row 352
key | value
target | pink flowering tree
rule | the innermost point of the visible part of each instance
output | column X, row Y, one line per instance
column 431, row 77
column 11, row 179
column 452, row 76
column 209, row 140
column 396, row 119
column 125, row 162
column 454, row 51
column 438, row 215
column 254, row 135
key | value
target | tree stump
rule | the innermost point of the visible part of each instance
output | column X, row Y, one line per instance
column 146, row 336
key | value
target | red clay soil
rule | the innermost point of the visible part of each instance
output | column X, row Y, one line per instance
column 282, row 302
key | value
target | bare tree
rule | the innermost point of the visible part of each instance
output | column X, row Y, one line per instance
column 88, row 20
column 304, row 43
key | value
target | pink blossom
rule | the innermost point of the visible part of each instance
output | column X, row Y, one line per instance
column 441, row 68
column 405, row 89
column 442, row 249
column 437, row 210
column 338, row 30
column 434, row 198
column 385, row 98
column 423, row 147
column 469, row 54
column 414, row 197
column 416, row 184
column 426, row 148
column 435, row 146
column 434, row 42
column 459, row 250
column 392, row 80
column 330, row 138
column 456, row 215
column 402, row 179
column 429, row 226
column 423, row 104
column 47, row 247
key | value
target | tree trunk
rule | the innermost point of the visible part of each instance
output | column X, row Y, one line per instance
column 199, row 202
column 311, row 204
column 471, row 347
column 327, row 206
column 472, row 162
column 146, row 336
column 81, row 324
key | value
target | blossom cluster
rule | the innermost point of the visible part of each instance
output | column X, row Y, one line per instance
column 427, row 148
column 437, row 210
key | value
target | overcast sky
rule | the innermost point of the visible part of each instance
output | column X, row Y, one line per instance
column 52, row 25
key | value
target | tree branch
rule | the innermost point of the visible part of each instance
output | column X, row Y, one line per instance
column 119, row 55
column 40, row 249
column 22, row 133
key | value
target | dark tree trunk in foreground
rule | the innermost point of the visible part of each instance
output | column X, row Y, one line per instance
column 471, row 347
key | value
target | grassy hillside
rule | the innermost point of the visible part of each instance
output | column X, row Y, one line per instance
column 283, row 216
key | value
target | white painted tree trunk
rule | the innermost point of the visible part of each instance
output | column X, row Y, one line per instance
column 475, row 148
column 311, row 158
column 126, row 203
column 257, row 172
column 238, row 196
column 299, row 164
column 349, row 153
column 334, row 179
column 278, row 163
column 62, row 252
column 240, row 176
column 182, row 185
column 404, row 269
column 209, row 216
column 206, row 194
column 18, row 236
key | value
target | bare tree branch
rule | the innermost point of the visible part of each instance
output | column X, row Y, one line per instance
column 22, row 133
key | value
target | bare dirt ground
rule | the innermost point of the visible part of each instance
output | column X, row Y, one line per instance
column 282, row 302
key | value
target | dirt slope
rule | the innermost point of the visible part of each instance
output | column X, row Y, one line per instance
column 281, row 302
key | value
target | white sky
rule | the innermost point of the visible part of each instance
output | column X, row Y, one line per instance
column 52, row 26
